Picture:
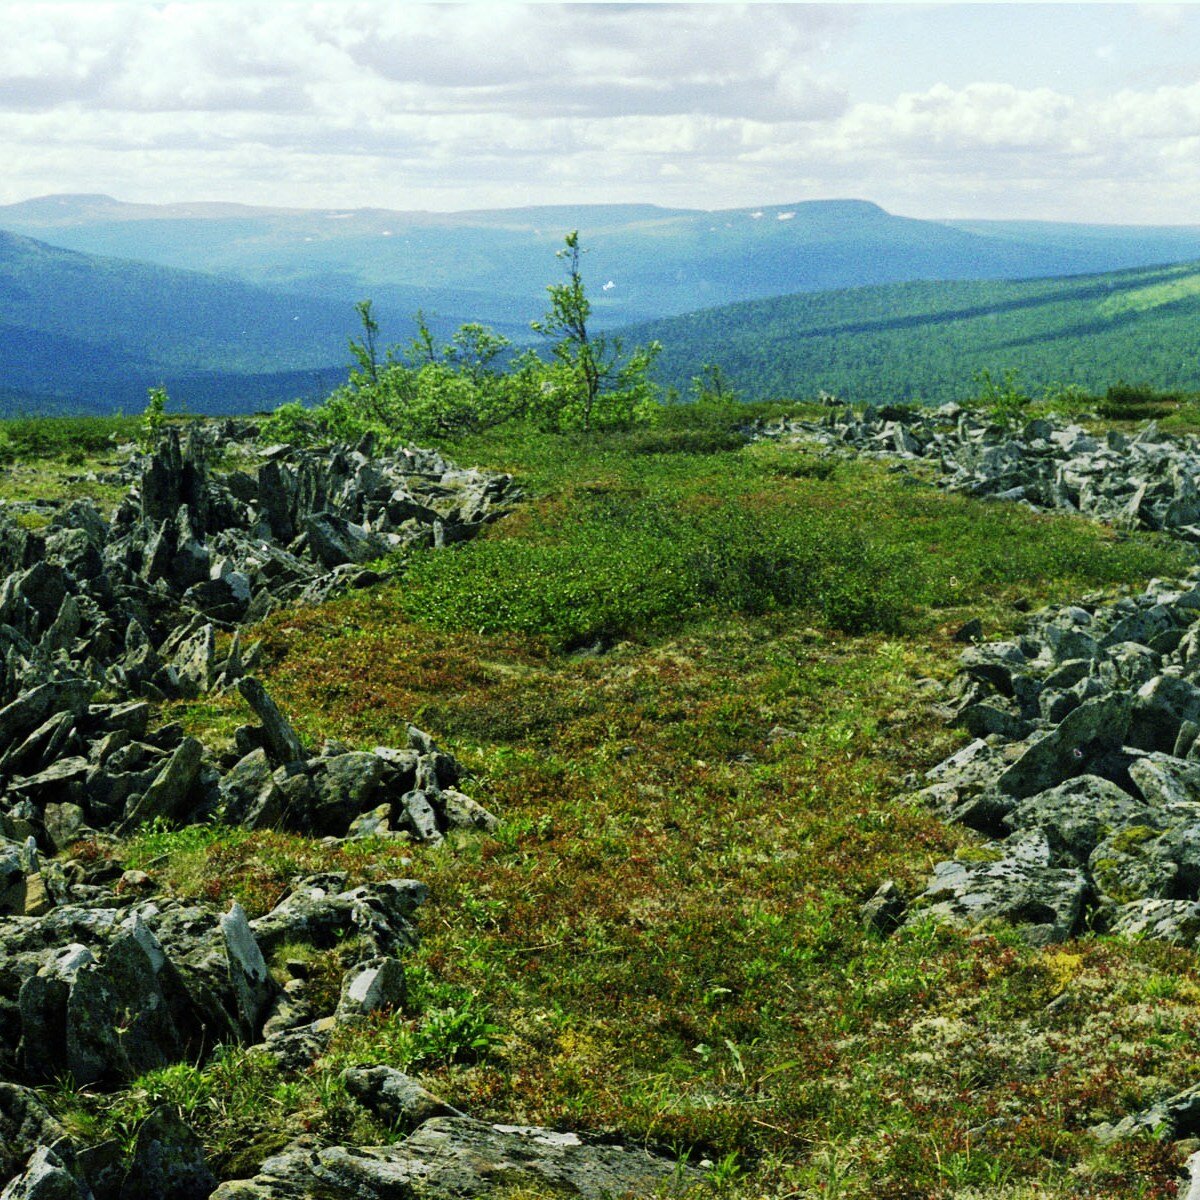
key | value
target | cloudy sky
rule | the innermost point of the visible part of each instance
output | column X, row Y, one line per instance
column 1065, row 112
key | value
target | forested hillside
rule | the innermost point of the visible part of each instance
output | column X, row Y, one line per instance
column 84, row 333
column 926, row 341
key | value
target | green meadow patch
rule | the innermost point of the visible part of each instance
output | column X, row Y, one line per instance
column 622, row 545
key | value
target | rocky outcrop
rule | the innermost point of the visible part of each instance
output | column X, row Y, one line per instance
column 132, row 608
column 108, row 986
column 457, row 1157
column 1143, row 482
column 1085, row 773
column 134, row 604
column 103, row 981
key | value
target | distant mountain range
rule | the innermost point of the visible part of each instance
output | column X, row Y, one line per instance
column 925, row 342
column 238, row 306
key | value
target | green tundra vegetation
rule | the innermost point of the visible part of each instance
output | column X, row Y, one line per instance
column 691, row 676
column 919, row 341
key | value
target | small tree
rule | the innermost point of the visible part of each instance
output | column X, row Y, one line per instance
column 364, row 351
column 592, row 381
column 1003, row 400
column 710, row 389
column 154, row 418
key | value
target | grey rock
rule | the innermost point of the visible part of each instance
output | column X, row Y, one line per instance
column 1065, row 751
column 1170, row 785
column 1077, row 815
column 29, row 710
column 1160, row 708
column 419, row 817
column 461, row 812
column 1174, row 1118
column 369, row 986
column 1174, row 921
column 1045, row 903
column 195, row 662
column 335, row 541
column 168, row 1161
column 118, row 1025
column 320, row 912
column 395, row 1098
column 345, row 786
column 243, row 784
column 884, row 911
column 170, row 793
column 45, row 1177
column 249, row 978
column 26, row 1126
column 461, row 1158
column 1133, row 864
column 280, row 740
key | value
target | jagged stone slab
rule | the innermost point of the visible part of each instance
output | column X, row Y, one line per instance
column 281, row 742
column 453, row 1158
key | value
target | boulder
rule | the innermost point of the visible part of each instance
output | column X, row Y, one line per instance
column 46, row 1177
column 170, row 794
column 1159, row 710
column 249, row 978
column 168, row 1161
column 334, row 541
column 25, row 1127
column 395, row 1098
column 1045, row 903
column 118, row 1023
column 1077, row 815
column 457, row 1157
column 1174, row 921
column 369, row 986
column 1065, row 751
column 345, row 786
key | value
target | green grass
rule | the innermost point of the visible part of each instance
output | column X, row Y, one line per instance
column 662, row 939
column 50, row 459
column 623, row 545
column 67, row 438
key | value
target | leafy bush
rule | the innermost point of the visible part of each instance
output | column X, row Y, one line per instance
column 431, row 391
column 1136, row 402
column 294, row 424
column 154, row 418
column 1000, row 398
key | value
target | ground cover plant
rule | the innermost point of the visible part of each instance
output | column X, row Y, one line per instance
column 61, row 458
column 698, row 784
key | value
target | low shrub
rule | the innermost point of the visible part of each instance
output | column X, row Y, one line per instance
column 1136, row 402
column 623, row 567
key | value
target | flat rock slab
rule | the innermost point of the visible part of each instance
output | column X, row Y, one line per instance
column 1045, row 902
column 454, row 1157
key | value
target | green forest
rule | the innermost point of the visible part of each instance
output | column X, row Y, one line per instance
column 926, row 342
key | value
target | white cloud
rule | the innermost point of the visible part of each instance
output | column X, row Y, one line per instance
column 979, row 116
column 457, row 106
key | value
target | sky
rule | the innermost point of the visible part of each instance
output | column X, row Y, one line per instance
column 1078, row 112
